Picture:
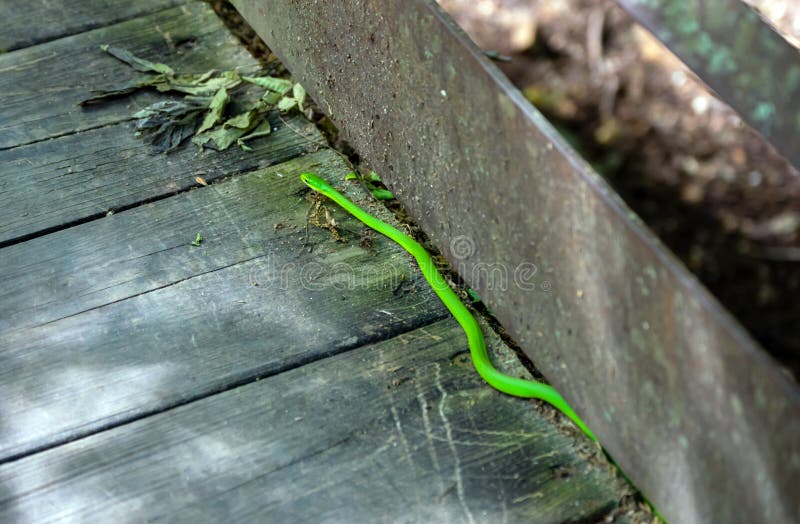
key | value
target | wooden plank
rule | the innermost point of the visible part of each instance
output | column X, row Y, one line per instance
column 43, row 20
column 146, row 248
column 685, row 401
column 51, row 184
column 85, row 267
column 120, row 317
column 395, row 432
column 41, row 86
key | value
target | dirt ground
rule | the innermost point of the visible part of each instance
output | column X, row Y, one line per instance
column 709, row 187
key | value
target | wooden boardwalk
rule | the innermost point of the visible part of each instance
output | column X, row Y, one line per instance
column 145, row 379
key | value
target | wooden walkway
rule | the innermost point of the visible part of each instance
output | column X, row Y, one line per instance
column 145, row 379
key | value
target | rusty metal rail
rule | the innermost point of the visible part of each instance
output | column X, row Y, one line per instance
column 737, row 54
column 700, row 418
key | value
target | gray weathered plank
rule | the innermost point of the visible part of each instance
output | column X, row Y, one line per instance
column 49, row 184
column 395, row 432
column 39, row 21
column 148, row 247
column 41, row 86
column 121, row 317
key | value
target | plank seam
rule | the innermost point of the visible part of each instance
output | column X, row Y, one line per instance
column 249, row 378
column 102, row 214
column 142, row 293
column 67, row 133
column 89, row 27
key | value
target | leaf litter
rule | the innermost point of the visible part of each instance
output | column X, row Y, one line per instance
column 203, row 113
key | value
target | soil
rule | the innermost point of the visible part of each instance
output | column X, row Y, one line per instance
column 711, row 189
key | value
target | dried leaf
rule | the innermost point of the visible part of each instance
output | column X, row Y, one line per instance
column 200, row 180
column 244, row 120
column 203, row 77
column 139, row 64
column 203, row 85
column 168, row 123
column 215, row 110
column 101, row 95
column 287, row 103
column 218, row 139
column 233, row 129
column 299, row 94
column 279, row 85
column 270, row 98
column 167, row 110
column 195, row 85
column 263, row 129
column 170, row 137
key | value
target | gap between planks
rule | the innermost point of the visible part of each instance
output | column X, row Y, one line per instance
column 380, row 433
column 41, row 21
column 126, row 306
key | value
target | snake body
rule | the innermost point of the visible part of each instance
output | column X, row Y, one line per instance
column 477, row 346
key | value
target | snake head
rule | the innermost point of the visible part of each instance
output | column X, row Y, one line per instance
column 316, row 183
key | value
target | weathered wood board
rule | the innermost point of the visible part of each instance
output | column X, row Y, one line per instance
column 38, row 21
column 41, row 86
column 395, row 432
column 51, row 184
column 120, row 317
column 147, row 248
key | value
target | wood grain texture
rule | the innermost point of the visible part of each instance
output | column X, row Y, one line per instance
column 395, row 432
column 57, row 182
column 148, row 247
column 41, row 86
column 43, row 20
column 122, row 317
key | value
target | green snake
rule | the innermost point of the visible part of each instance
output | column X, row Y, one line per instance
column 477, row 346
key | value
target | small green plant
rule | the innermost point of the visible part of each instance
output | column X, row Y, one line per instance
column 373, row 184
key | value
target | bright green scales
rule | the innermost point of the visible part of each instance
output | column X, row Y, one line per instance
column 477, row 347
